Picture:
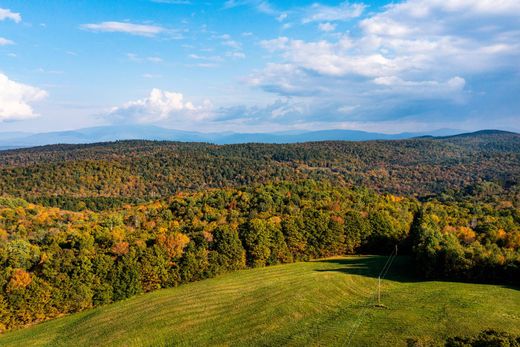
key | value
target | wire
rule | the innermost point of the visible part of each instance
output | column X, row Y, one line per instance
column 382, row 274
column 389, row 265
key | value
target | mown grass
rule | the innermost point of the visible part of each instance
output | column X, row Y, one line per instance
column 316, row 303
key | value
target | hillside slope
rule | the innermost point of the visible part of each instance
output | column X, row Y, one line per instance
column 316, row 303
column 147, row 170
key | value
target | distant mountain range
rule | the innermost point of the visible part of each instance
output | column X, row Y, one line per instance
column 9, row 140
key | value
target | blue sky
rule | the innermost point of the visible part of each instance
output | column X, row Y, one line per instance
column 255, row 65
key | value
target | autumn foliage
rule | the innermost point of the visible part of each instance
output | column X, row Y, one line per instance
column 54, row 261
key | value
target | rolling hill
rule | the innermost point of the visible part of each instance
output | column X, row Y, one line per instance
column 150, row 132
column 321, row 303
column 146, row 170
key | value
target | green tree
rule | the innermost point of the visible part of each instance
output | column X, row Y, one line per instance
column 230, row 254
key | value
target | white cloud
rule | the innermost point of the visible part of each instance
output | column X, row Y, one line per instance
column 284, row 79
column 8, row 14
column 124, row 27
column 282, row 17
column 233, row 3
column 133, row 57
column 416, row 58
column 327, row 27
column 333, row 58
column 400, row 42
column 138, row 59
column 232, row 44
column 322, row 13
column 203, row 65
column 427, row 8
column 346, row 109
column 274, row 112
column 15, row 99
column 441, row 17
column 449, row 89
column 267, row 8
column 313, row 13
column 279, row 43
column 262, row 6
column 5, row 42
column 236, row 55
column 160, row 106
column 455, row 82
column 226, row 40
column 212, row 58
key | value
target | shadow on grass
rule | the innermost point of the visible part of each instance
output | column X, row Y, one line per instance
column 401, row 270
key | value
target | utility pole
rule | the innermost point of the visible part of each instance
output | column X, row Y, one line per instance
column 379, row 291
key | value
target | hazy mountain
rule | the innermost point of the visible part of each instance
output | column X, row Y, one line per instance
column 13, row 135
column 149, row 132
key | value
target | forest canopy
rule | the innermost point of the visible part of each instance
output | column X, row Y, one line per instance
column 107, row 175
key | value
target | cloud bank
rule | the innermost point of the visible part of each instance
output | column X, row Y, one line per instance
column 424, row 60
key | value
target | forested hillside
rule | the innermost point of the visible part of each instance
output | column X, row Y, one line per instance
column 54, row 261
column 101, row 176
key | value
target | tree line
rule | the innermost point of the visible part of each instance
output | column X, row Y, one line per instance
column 55, row 261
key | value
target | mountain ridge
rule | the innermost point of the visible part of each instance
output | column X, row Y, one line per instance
column 150, row 132
column 483, row 132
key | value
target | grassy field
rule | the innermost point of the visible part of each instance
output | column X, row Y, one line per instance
column 318, row 303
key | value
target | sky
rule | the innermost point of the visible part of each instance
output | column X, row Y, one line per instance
column 260, row 65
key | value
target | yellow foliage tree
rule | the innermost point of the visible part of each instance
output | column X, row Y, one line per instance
column 20, row 279
column 174, row 244
column 466, row 235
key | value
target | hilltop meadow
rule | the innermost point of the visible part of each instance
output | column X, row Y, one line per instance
column 320, row 303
